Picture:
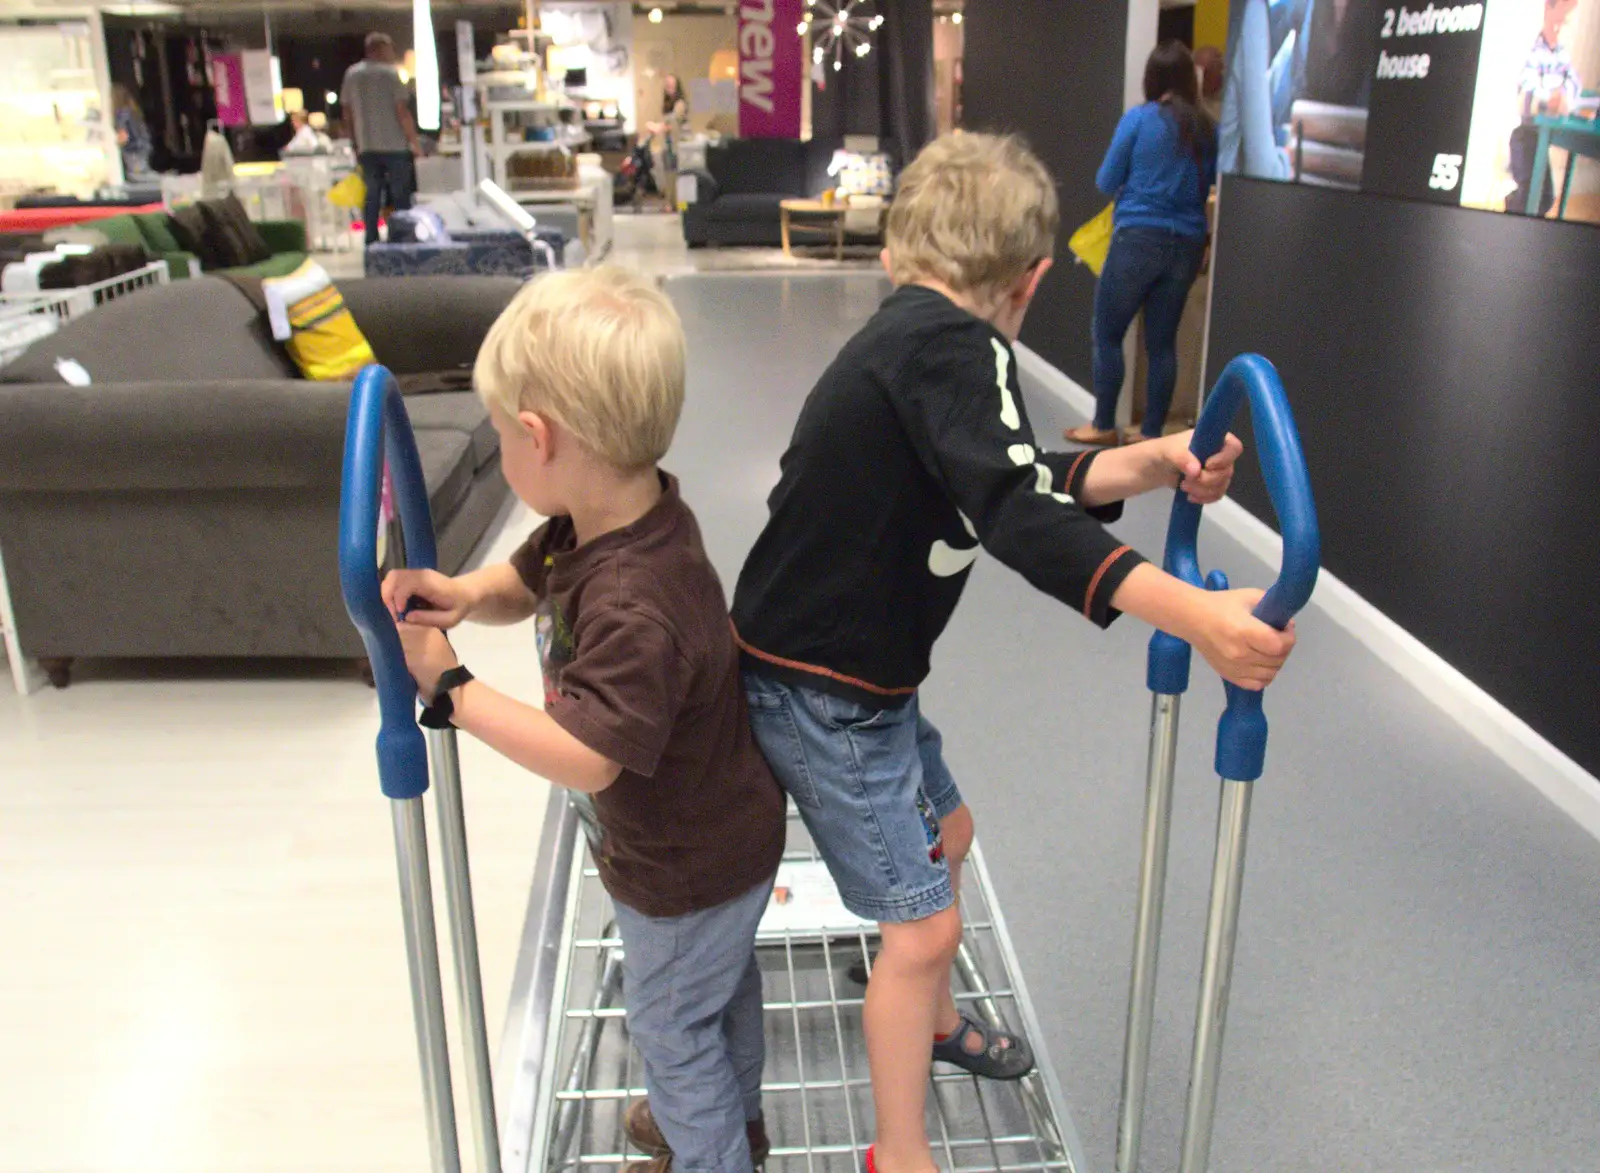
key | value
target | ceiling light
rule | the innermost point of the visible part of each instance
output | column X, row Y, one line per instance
column 331, row 98
column 956, row 18
column 655, row 16
column 837, row 66
column 804, row 27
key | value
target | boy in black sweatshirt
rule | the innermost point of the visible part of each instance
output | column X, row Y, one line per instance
column 914, row 452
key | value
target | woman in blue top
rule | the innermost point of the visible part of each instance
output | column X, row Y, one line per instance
column 1160, row 168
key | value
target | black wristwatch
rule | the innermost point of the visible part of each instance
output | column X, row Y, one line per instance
column 437, row 715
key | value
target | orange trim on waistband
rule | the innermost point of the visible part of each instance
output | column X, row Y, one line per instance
column 797, row 666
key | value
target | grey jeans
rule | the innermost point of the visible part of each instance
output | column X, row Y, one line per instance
column 693, row 995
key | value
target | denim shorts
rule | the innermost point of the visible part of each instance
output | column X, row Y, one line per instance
column 872, row 787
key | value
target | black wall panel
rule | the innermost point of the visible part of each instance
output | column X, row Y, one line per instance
column 1052, row 71
column 1444, row 367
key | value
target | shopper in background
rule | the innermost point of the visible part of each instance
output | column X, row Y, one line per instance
column 1160, row 168
column 307, row 139
column 384, row 133
column 674, row 102
column 133, row 135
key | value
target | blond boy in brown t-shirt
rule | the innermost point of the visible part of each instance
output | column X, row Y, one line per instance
column 644, row 712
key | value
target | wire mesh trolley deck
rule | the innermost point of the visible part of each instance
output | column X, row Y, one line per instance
column 578, row 1071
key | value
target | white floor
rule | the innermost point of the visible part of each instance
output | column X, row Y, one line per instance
column 203, row 964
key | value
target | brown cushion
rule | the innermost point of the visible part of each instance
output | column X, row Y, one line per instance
column 188, row 224
column 230, row 234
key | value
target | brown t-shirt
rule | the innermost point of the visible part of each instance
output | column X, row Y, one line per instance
column 640, row 666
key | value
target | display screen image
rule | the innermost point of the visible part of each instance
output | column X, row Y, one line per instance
column 1488, row 104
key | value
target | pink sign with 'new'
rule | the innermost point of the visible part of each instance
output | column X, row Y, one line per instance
column 771, row 68
column 227, row 75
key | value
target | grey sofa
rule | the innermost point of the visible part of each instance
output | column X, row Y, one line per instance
column 185, row 504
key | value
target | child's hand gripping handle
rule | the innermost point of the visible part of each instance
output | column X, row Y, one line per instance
column 378, row 427
column 1242, row 736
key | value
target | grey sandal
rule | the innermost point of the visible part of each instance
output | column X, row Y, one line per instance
column 1004, row 1056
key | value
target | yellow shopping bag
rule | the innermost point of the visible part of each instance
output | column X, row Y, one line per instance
column 1092, row 242
column 350, row 192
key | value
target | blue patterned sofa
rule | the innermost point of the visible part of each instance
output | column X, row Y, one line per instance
column 421, row 245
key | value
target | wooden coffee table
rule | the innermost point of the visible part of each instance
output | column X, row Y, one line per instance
column 814, row 216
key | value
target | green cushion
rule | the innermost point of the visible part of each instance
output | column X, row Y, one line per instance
column 279, row 265
column 119, row 230
column 158, row 233
column 283, row 236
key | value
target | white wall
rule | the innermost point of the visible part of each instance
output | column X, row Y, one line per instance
column 1144, row 20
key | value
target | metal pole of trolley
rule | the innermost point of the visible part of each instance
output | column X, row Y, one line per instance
column 1242, row 732
column 446, row 759
column 378, row 429
column 1168, row 678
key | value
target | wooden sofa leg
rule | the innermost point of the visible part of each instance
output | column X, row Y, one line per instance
column 59, row 671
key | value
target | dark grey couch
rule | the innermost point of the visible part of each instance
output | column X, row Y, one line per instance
column 744, row 183
column 185, row 504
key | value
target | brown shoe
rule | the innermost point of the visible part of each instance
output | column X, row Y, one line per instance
column 1089, row 434
column 645, row 1135
column 653, row 1165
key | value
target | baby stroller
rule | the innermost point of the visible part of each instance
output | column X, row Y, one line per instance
column 637, row 178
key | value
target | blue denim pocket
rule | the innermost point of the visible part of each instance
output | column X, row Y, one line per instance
column 772, row 720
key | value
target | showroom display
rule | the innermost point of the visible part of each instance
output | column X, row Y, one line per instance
column 205, row 469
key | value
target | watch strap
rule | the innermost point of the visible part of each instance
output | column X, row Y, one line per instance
column 438, row 714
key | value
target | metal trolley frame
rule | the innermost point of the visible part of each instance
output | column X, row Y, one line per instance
column 567, row 1068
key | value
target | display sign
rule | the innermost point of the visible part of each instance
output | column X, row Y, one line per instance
column 1420, row 114
column 261, row 87
column 770, row 68
column 227, row 78
column 1477, row 103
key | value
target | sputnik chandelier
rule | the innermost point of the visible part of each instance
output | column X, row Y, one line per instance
column 841, row 26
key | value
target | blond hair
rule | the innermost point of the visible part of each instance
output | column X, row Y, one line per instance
column 974, row 212
column 600, row 351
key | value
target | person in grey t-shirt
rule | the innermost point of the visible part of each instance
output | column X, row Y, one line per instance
column 376, row 107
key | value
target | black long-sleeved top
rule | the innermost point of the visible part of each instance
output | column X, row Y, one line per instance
column 913, row 449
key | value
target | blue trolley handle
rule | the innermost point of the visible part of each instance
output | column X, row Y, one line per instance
column 378, row 426
column 1242, row 734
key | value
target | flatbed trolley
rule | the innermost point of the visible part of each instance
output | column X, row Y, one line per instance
column 567, row 1070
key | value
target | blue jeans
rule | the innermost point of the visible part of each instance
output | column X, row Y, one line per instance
column 390, row 173
column 873, row 789
column 692, row 989
column 1150, row 269
column 1266, row 70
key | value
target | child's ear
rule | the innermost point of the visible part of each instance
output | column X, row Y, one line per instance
column 538, row 429
column 1029, row 285
column 888, row 265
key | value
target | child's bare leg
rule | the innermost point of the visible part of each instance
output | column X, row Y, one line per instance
column 956, row 830
column 911, row 974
